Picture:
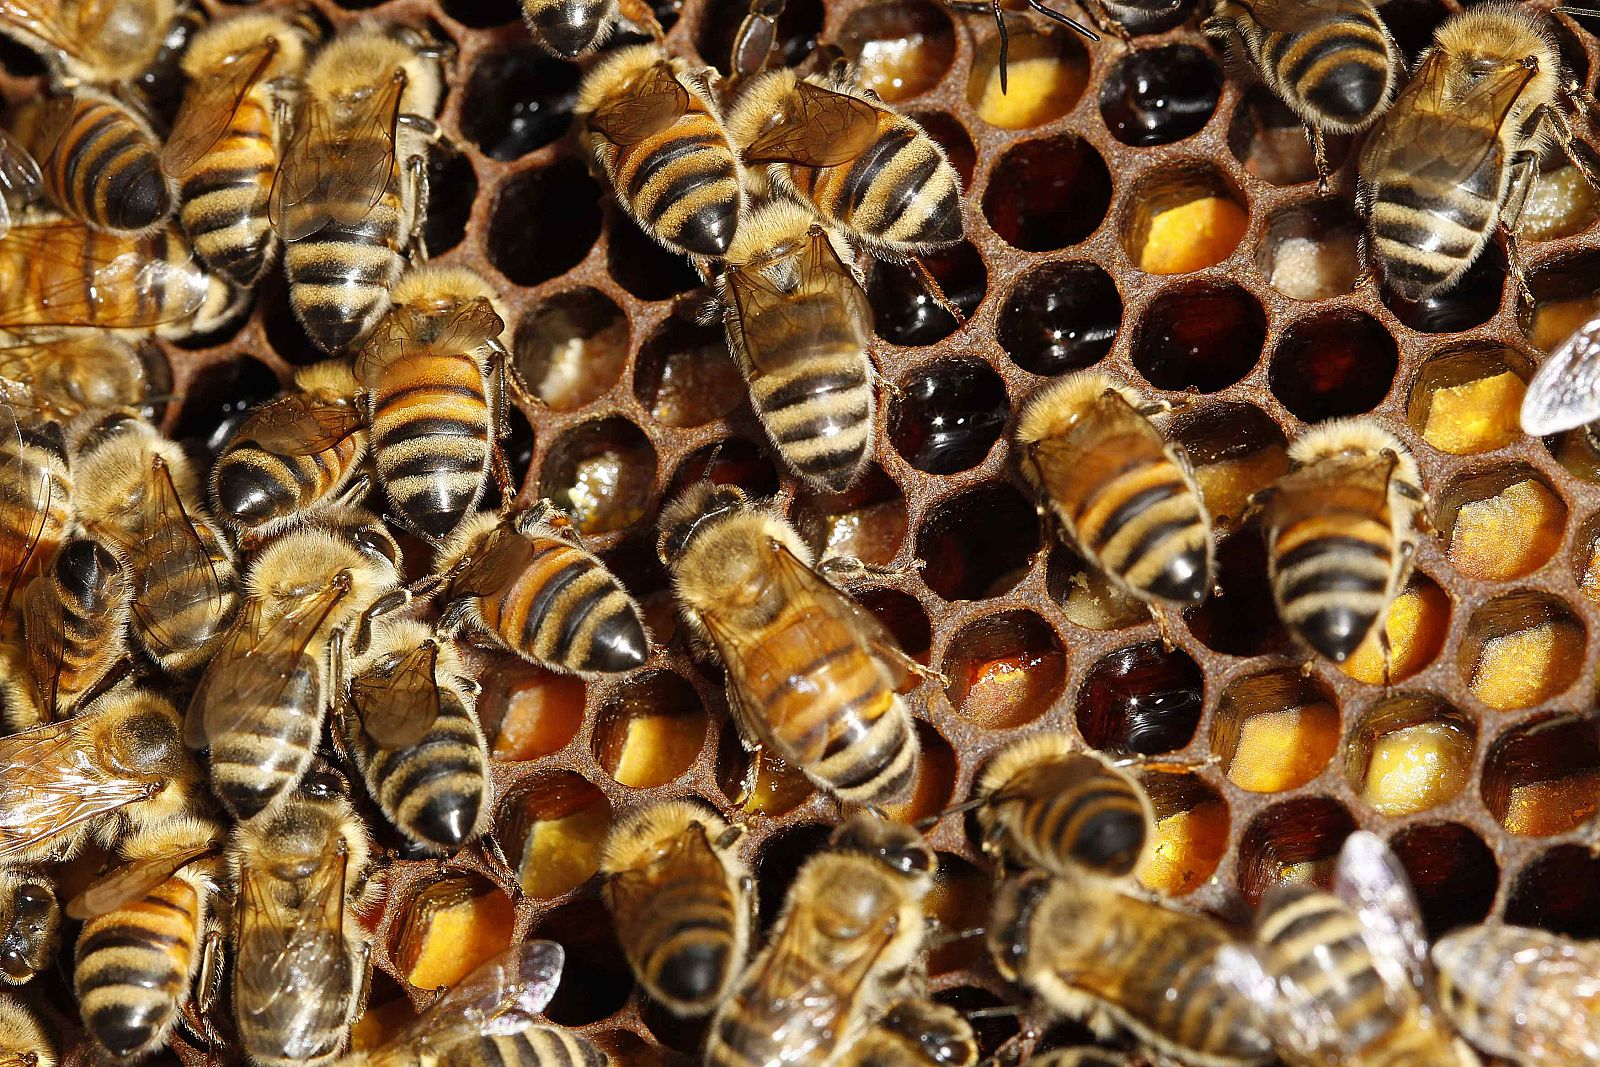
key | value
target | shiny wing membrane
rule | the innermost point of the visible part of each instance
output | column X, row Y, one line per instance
column 501, row 997
column 169, row 543
column 1565, row 393
column 655, row 101
column 51, row 782
column 782, row 304
column 210, row 104
column 299, row 425
column 505, row 555
column 59, row 273
column 15, row 557
column 337, row 166
column 42, row 621
column 294, row 951
column 824, row 129
column 399, row 706
column 130, row 881
column 1371, row 880
column 19, row 179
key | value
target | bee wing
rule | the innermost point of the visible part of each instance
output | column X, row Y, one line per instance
column 502, row 996
column 757, row 294
column 42, row 621
column 50, row 783
column 334, row 172
column 398, row 709
column 299, row 425
column 19, row 178
column 210, row 104
column 1300, row 1024
column 291, row 951
column 44, row 19
column 170, row 543
column 1565, row 393
column 504, row 557
column 470, row 327
column 811, row 1016
column 129, row 882
column 1371, row 880
column 1108, row 435
column 824, row 129
column 85, row 282
column 15, row 556
column 654, row 102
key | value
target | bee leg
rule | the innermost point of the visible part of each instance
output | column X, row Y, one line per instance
column 849, row 569
column 991, row 8
column 639, row 13
column 1070, row 23
column 495, row 853
column 756, row 38
column 1163, row 627
column 1319, row 155
column 751, row 777
column 930, row 285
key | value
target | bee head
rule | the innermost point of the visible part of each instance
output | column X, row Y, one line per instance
column 900, row 848
column 701, row 505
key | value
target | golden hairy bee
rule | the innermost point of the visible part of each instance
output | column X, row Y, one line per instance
column 491, row 1019
column 1453, row 160
column 296, row 455
column 116, row 768
column 1332, row 61
column 138, row 494
column 66, row 373
column 525, row 580
column 414, row 733
column 799, row 325
column 655, row 129
column 91, row 40
column 261, row 704
column 75, row 621
column 36, row 501
column 1124, row 496
column 244, row 76
column 1120, row 963
column 915, row 1033
column 681, row 899
column 1341, row 529
column 850, row 930
column 23, row 1042
column 1343, row 977
column 1523, row 994
column 30, row 921
column 810, row 674
column 351, row 193
column 300, row 955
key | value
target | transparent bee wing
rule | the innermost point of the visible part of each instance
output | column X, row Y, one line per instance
column 209, row 106
column 1370, row 878
column 299, row 425
column 399, row 705
column 51, row 783
column 42, row 622
column 337, row 167
column 61, row 273
column 1565, row 393
column 36, row 491
column 501, row 997
column 171, row 541
column 825, row 129
column 1298, row 1023
column 654, row 102
column 129, row 882
column 19, row 179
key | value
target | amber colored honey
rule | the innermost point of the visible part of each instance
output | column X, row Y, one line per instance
column 1539, row 809
column 1417, row 767
column 1509, row 534
column 936, row 777
column 1418, row 620
column 900, row 68
column 1185, row 851
column 776, row 790
column 1556, row 320
column 959, row 902
column 872, row 533
column 1193, row 236
column 1476, row 416
column 379, row 1025
column 1284, row 748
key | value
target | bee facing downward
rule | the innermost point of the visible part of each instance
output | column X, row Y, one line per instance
column 570, row 29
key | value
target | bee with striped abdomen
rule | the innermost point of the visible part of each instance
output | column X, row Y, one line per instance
column 1343, row 976
column 915, row 1033
column 75, row 620
column 99, row 159
column 799, row 325
column 1333, row 62
column 1083, row 1057
column 1454, row 158
column 1341, row 531
column 73, row 372
column 1526, row 995
column 117, row 767
column 681, row 899
column 351, row 193
column 296, row 455
column 243, row 85
column 433, row 377
column 1116, row 962
column 569, row 29
column 810, row 673
column 655, row 129
column 1125, row 497
column 1051, row 804
column 300, row 954
column 138, row 495
column 850, row 930
column 30, row 920
column 147, row 929
column 416, row 738
column 23, row 1042
column 90, row 40
column 525, row 579
column 260, row 705
column 36, row 501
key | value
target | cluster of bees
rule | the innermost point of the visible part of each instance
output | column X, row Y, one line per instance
column 267, row 600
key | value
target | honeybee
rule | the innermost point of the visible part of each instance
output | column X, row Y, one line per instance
column 860, row 166
column 1086, row 1056
column 90, row 40
column 569, row 29
column 138, row 494
column 58, row 272
column 30, row 920
column 1455, row 156
column 916, row 1033
column 810, row 673
column 73, row 372
column 681, row 899
column 99, row 159
column 416, row 739
column 1522, row 994
column 149, row 926
column 296, row 455
column 19, row 708
column 300, row 955
column 1341, row 531
column 261, row 702
column 23, row 1042
column 1347, row 972
column 490, row 1019
column 116, row 767
column 38, row 507
column 655, row 129
column 75, row 620
column 243, row 76
column 1048, row 803
column 850, row 929
column 799, row 325
column 1124, row 496
column 351, row 193
column 426, row 375
column 1091, row 952
column 525, row 579
column 1333, row 62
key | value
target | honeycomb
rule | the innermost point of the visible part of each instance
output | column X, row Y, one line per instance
column 1134, row 210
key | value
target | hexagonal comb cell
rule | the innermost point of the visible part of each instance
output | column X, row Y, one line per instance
column 1089, row 598
column 1564, row 298
column 545, row 222
column 1191, row 836
column 1270, row 140
column 1311, row 250
column 1410, row 752
column 1275, row 731
column 978, row 544
column 595, row 980
column 901, row 50
column 1543, row 778
column 1452, row 871
column 527, row 711
column 1521, row 650
column 1236, row 449
column 1160, row 95
column 643, row 267
column 948, row 416
column 1503, row 523
column 1048, row 193
column 1467, row 401
column 1182, row 217
column 1047, row 73
column 1560, row 204
column 602, row 473
column 387, row 1014
column 650, row 731
column 1586, row 558
column 1472, row 301
column 449, row 928
column 571, row 348
column 518, row 99
column 904, row 313
column 1333, row 363
column 866, row 521
column 1560, row 892
column 1204, row 336
column 1143, row 700
column 902, row 614
column 1060, row 317
column 453, row 187
column 1005, row 670
column 551, row 829
column 1292, row 843
column 1418, row 622
column 685, row 375
column 733, row 461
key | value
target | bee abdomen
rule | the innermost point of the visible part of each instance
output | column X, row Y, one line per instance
column 430, row 435
column 255, row 486
column 36, row 503
column 1341, row 68
column 340, row 278
column 900, row 192
column 687, row 943
column 1099, row 826
column 820, row 416
column 1333, row 587
column 683, row 185
column 1427, row 234
column 568, row 611
column 437, row 790
column 533, row 1046
column 134, row 966
column 1147, row 526
column 254, row 765
column 105, row 168
column 225, row 210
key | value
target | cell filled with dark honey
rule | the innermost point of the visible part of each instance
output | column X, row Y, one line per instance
column 1160, row 95
column 1060, row 317
column 1141, row 700
column 1203, row 336
column 1048, row 194
column 948, row 416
